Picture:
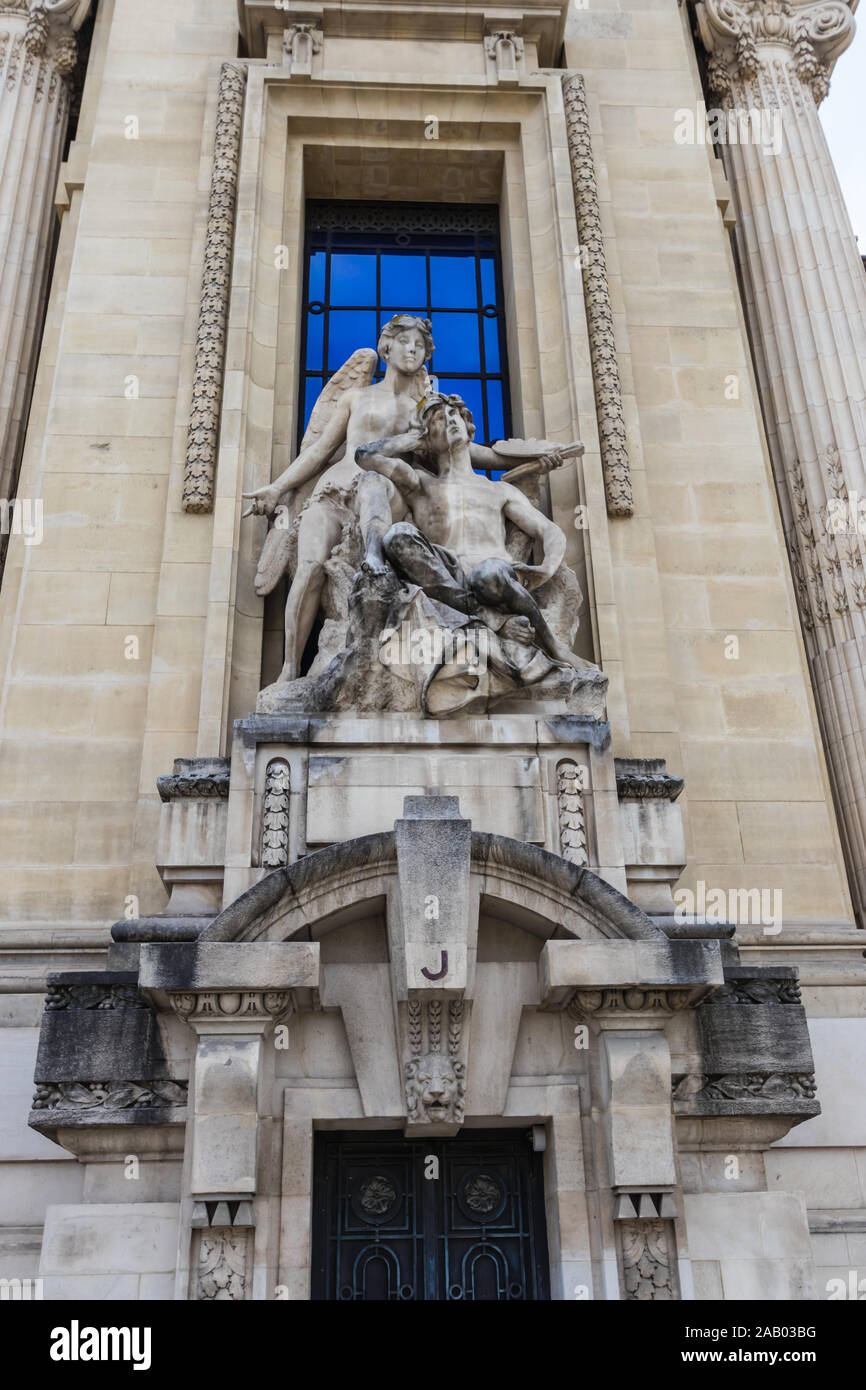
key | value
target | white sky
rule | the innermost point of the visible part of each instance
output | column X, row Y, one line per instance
column 843, row 116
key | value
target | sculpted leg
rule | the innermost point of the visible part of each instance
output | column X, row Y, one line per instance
column 494, row 583
column 379, row 506
column 433, row 568
column 318, row 534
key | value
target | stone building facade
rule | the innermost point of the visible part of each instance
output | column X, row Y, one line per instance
column 528, row 970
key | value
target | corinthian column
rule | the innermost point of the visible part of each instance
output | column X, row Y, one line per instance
column 38, row 51
column 805, row 300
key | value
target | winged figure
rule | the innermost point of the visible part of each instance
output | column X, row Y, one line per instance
column 350, row 411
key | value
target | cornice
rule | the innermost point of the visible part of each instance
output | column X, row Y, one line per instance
column 537, row 21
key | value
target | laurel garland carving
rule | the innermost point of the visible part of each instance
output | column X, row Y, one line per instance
column 602, row 344
column 746, row 1086
column 572, row 821
column 60, row 996
column 646, row 779
column 827, row 559
column 212, row 784
column 198, row 483
column 455, row 1026
column 108, row 1095
column 275, row 815
column 758, row 991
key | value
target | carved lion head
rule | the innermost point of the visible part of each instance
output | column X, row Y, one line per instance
column 435, row 1088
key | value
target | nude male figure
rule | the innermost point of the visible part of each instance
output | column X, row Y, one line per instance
column 456, row 550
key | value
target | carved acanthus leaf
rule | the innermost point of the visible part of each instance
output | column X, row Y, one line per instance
column 647, row 1260
column 743, row 38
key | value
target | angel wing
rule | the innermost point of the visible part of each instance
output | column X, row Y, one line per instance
column 356, row 373
column 279, row 547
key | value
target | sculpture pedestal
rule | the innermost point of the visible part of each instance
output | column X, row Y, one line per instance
column 301, row 783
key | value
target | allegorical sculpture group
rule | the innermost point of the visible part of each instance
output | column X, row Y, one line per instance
column 401, row 538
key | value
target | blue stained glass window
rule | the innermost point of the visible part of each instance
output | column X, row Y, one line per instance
column 488, row 279
column 315, row 342
column 473, row 394
column 491, row 344
column 349, row 329
column 366, row 262
column 453, row 282
column 403, row 278
column 312, row 388
column 495, row 411
column 318, row 262
column 353, row 279
column 456, row 339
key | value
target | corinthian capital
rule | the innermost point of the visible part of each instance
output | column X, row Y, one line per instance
column 741, row 36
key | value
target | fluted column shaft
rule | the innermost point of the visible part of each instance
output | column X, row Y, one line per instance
column 805, row 302
column 38, row 51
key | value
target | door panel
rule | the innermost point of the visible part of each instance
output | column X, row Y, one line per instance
column 437, row 1219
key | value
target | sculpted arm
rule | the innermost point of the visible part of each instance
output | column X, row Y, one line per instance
column 482, row 457
column 521, row 511
column 310, row 461
column 380, row 457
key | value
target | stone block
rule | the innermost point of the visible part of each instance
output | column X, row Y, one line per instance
column 352, row 795
column 224, row 1154
column 755, row 1023
column 229, row 966
column 98, row 1027
column 28, row 1188
column 838, row 1048
column 565, row 966
column 638, row 1095
column 762, row 1281
column 110, row 1239
column 431, row 933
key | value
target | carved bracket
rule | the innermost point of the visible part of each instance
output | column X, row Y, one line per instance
column 504, row 51
column 301, row 43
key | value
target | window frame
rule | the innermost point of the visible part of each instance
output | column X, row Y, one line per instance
column 344, row 226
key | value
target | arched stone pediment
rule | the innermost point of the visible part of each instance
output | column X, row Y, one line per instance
column 546, row 891
column 430, row 932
